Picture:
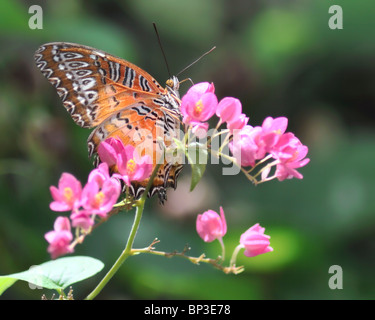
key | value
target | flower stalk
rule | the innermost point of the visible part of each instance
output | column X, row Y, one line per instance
column 128, row 248
column 217, row 263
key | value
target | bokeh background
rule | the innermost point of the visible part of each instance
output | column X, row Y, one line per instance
column 279, row 58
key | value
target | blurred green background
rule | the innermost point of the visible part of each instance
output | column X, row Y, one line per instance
column 279, row 59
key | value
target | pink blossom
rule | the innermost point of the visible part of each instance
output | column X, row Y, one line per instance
column 199, row 103
column 82, row 219
column 244, row 146
column 255, row 241
column 272, row 130
column 129, row 165
column 59, row 239
column 67, row 196
column 286, row 147
column 202, row 88
column 229, row 109
column 109, row 149
column 99, row 199
column 211, row 226
column 277, row 125
column 291, row 154
column 239, row 123
column 100, row 174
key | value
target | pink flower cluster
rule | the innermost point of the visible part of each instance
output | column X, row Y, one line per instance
column 254, row 143
column 248, row 144
column 97, row 197
column 125, row 160
column 200, row 103
column 211, row 226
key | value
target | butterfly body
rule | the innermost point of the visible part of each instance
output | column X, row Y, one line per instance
column 119, row 100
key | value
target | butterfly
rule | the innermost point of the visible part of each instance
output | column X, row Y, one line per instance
column 119, row 100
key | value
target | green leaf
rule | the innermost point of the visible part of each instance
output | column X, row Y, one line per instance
column 197, row 155
column 5, row 283
column 56, row 274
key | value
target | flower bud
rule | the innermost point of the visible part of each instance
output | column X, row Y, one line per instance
column 229, row 109
column 255, row 241
column 211, row 226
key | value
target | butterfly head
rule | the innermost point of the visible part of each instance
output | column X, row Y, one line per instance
column 173, row 86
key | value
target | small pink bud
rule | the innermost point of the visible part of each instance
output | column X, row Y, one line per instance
column 239, row 123
column 255, row 241
column 229, row 109
column 109, row 149
column 211, row 226
column 202, row 88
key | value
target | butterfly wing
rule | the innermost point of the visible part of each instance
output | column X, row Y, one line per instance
column 142, row 127
column 115, row 96
column 93, row 84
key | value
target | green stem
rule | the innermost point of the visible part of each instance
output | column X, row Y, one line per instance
column 128, row 248
column 222, row 248
column 124, row 255
column 234, row 255
column 62, row 294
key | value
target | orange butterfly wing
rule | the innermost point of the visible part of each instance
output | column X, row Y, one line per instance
column 119, row 99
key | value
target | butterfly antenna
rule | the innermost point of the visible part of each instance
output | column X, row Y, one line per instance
column 161, row 47
column 195, row 61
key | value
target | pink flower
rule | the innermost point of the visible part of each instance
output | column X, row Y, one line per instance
column 277, row 125
column 59, row 239
column 255, row 241
column 109, row 150
column 238, row 123
column 291, row 153
column 199, row 103
column 244, row 145
column 229, row 109
column 272, row 130
column 202, row 88
column 129, row 165
column 100, row 174
column 211, row 226
column 99, row 199
column 67, row 196
column 82, row 219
